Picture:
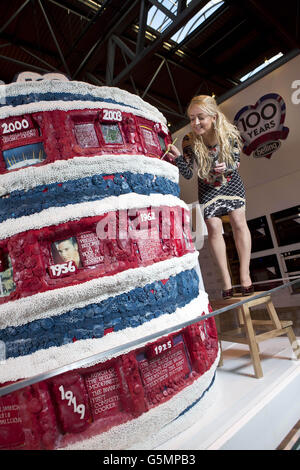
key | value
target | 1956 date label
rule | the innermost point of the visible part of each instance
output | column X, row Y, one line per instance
column 61, row 270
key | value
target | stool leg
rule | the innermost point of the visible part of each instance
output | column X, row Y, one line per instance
column 273, row 315
column 293, row 340
column 240, row 316
column 252, row 341
column 221, row 355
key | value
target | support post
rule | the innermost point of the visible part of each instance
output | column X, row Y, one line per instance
column 54, row 38
column 111, row 52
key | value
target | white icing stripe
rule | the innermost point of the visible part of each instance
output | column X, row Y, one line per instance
column 57, row 301
column 183, row 422
column 41, row 106
column 79, row 88
column 132, row 433
column 52, row 358
column 60, row 215
column 81, row 167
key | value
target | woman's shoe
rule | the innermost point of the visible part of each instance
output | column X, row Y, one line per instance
column 227, row 294
column 247, row 290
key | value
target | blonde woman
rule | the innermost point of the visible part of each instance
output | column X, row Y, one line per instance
column 214, row 144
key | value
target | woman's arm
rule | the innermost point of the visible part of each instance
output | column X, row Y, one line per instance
column 184, row 162
column 236, row 157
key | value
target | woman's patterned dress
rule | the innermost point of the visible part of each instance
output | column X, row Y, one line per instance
column 218, row 194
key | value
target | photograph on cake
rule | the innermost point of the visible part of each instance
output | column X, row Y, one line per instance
column 64, row 251
column 85, row 134
column 162, row 142
column 7, row 285
column 111, row 134
column 26, row 155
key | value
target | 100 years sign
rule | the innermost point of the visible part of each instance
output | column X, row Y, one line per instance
column 262, row 125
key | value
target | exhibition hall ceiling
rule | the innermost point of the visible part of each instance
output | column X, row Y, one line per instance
column 166, row 51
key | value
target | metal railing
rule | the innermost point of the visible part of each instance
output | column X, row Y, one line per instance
column 133, row 344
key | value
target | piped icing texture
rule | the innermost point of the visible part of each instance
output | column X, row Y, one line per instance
column 96, row 252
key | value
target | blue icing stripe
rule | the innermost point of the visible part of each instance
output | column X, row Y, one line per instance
column 122, row 311
column 190, row 407
column 37, row 97
column 92, row 188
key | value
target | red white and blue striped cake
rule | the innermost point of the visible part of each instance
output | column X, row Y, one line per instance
column 95, row 252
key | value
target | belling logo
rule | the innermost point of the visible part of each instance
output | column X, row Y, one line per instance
column 266, row 149
column 262, row 125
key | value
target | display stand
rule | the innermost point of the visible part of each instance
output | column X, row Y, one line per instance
column 246, row 334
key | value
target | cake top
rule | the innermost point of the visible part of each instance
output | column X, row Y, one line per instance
column 46, row 119
column 55, row 91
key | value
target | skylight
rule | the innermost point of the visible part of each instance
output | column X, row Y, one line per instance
column 159, row 20
column 260, row 67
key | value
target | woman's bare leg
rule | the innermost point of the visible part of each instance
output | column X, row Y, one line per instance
column 242, row 238
column 218, row 248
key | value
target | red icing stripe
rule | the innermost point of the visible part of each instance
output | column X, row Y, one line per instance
column 92, row 247
column 86, row 402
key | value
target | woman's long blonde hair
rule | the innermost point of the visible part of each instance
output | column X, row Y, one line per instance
column 227, row 135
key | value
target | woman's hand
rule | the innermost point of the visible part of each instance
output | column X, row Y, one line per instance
column 173, row 151
column 219, row 168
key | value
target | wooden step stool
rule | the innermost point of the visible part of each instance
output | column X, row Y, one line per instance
column 274, row 327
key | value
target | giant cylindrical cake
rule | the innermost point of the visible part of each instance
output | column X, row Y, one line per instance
column 95, row 252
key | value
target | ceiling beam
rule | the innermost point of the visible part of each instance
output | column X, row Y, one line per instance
column 273, row 22
column 259, row 75
column 265, row 19
column 51, row 67
column 70, row 9
column 162, row 8
column 140, row 43
column 14, row 16
column 24, row 64
column 54, row 37
column 94, row 79
column 113, row 27
column 87, row 27
column 189, row 63
column 154, row 77
column 181, row 19
column 33, row 47
column 201, row 29
column 174, row 88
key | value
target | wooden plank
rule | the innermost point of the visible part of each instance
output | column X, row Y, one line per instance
column 284, row 324
column 254, row 352
column 235, row 339
column 216, row 304
column 273, row 314
column 255, row 302
column 294, row 343
column 270, row 334
column 220, row 303
column 235, row 331
column 239, row 297
column 274, row 325
column 240, row 316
